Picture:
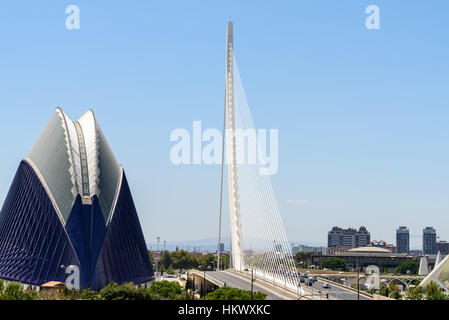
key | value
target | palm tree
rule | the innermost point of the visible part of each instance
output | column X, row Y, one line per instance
column 303, row 258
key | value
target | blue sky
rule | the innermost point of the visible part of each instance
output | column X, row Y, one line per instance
column 362, row 115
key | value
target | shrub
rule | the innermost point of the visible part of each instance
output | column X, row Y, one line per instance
column 411, row 266
column 82, row 294
column 434, row 292
column 334, row 263
column 127, row 291
column 13, row 291
column 228, row 293
column 414, row 293
column 166, row 290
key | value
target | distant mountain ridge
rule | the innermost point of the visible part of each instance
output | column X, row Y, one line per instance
column 210, row 244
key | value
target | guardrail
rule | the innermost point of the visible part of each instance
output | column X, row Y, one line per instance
column 274, row 284
column 362, row 293
column 208, row 277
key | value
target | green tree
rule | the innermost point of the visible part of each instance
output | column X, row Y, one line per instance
column 334, row 263
column 383, row 291
column 228, row 293
column 183, row 260
column 127, row 291
column 208, row 261
column 170, row 270
column 414, row 293
column 434, row 292
column 225, row 260
column 180, row 259
column 151, row 257
column 410, row 266
column 166, row 260
column 166, row 290
column 161, row 269
column 392, row 291
column 303, row 258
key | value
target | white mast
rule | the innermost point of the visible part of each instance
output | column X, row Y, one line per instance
column 237, row 259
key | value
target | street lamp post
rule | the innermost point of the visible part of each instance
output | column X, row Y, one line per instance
column 313, row 268
column 192, row 291
column 204, row 283
column 187, row 285
column 252, row 282
column 358, row 277
column 159, row 255
column 204, row 279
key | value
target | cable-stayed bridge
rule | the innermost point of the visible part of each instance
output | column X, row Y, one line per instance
column 258, row 239
column 259, row 245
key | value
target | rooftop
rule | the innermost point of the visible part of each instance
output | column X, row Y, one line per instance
column 53, row 284
column 370, row 249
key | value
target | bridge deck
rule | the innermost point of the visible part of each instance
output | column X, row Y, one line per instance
column 242, row 281
column 234, row 280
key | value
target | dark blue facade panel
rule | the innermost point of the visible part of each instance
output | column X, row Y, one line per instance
column 124, row 256
column 33, row 242
column 86, row 229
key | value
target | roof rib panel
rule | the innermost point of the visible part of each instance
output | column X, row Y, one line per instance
column 51, row 154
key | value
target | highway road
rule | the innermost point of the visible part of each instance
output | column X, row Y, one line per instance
column 334, row 293
column 242, row 281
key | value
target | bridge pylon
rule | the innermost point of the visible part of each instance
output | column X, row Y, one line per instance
column 258, row 240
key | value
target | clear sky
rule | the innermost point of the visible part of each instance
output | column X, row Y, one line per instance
column 362, row 114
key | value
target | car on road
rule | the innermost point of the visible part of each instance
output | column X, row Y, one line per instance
column 301, row 279
column 314, row 279
column 326, row 286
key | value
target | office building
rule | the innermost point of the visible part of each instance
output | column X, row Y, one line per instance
column 443, row 247
column 429, row 241
column 310, row 249
column 348, row 238
column 402, row 240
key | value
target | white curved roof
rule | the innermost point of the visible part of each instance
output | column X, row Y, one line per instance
column 90, row 128
column 370, row 250
column 73, row 157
